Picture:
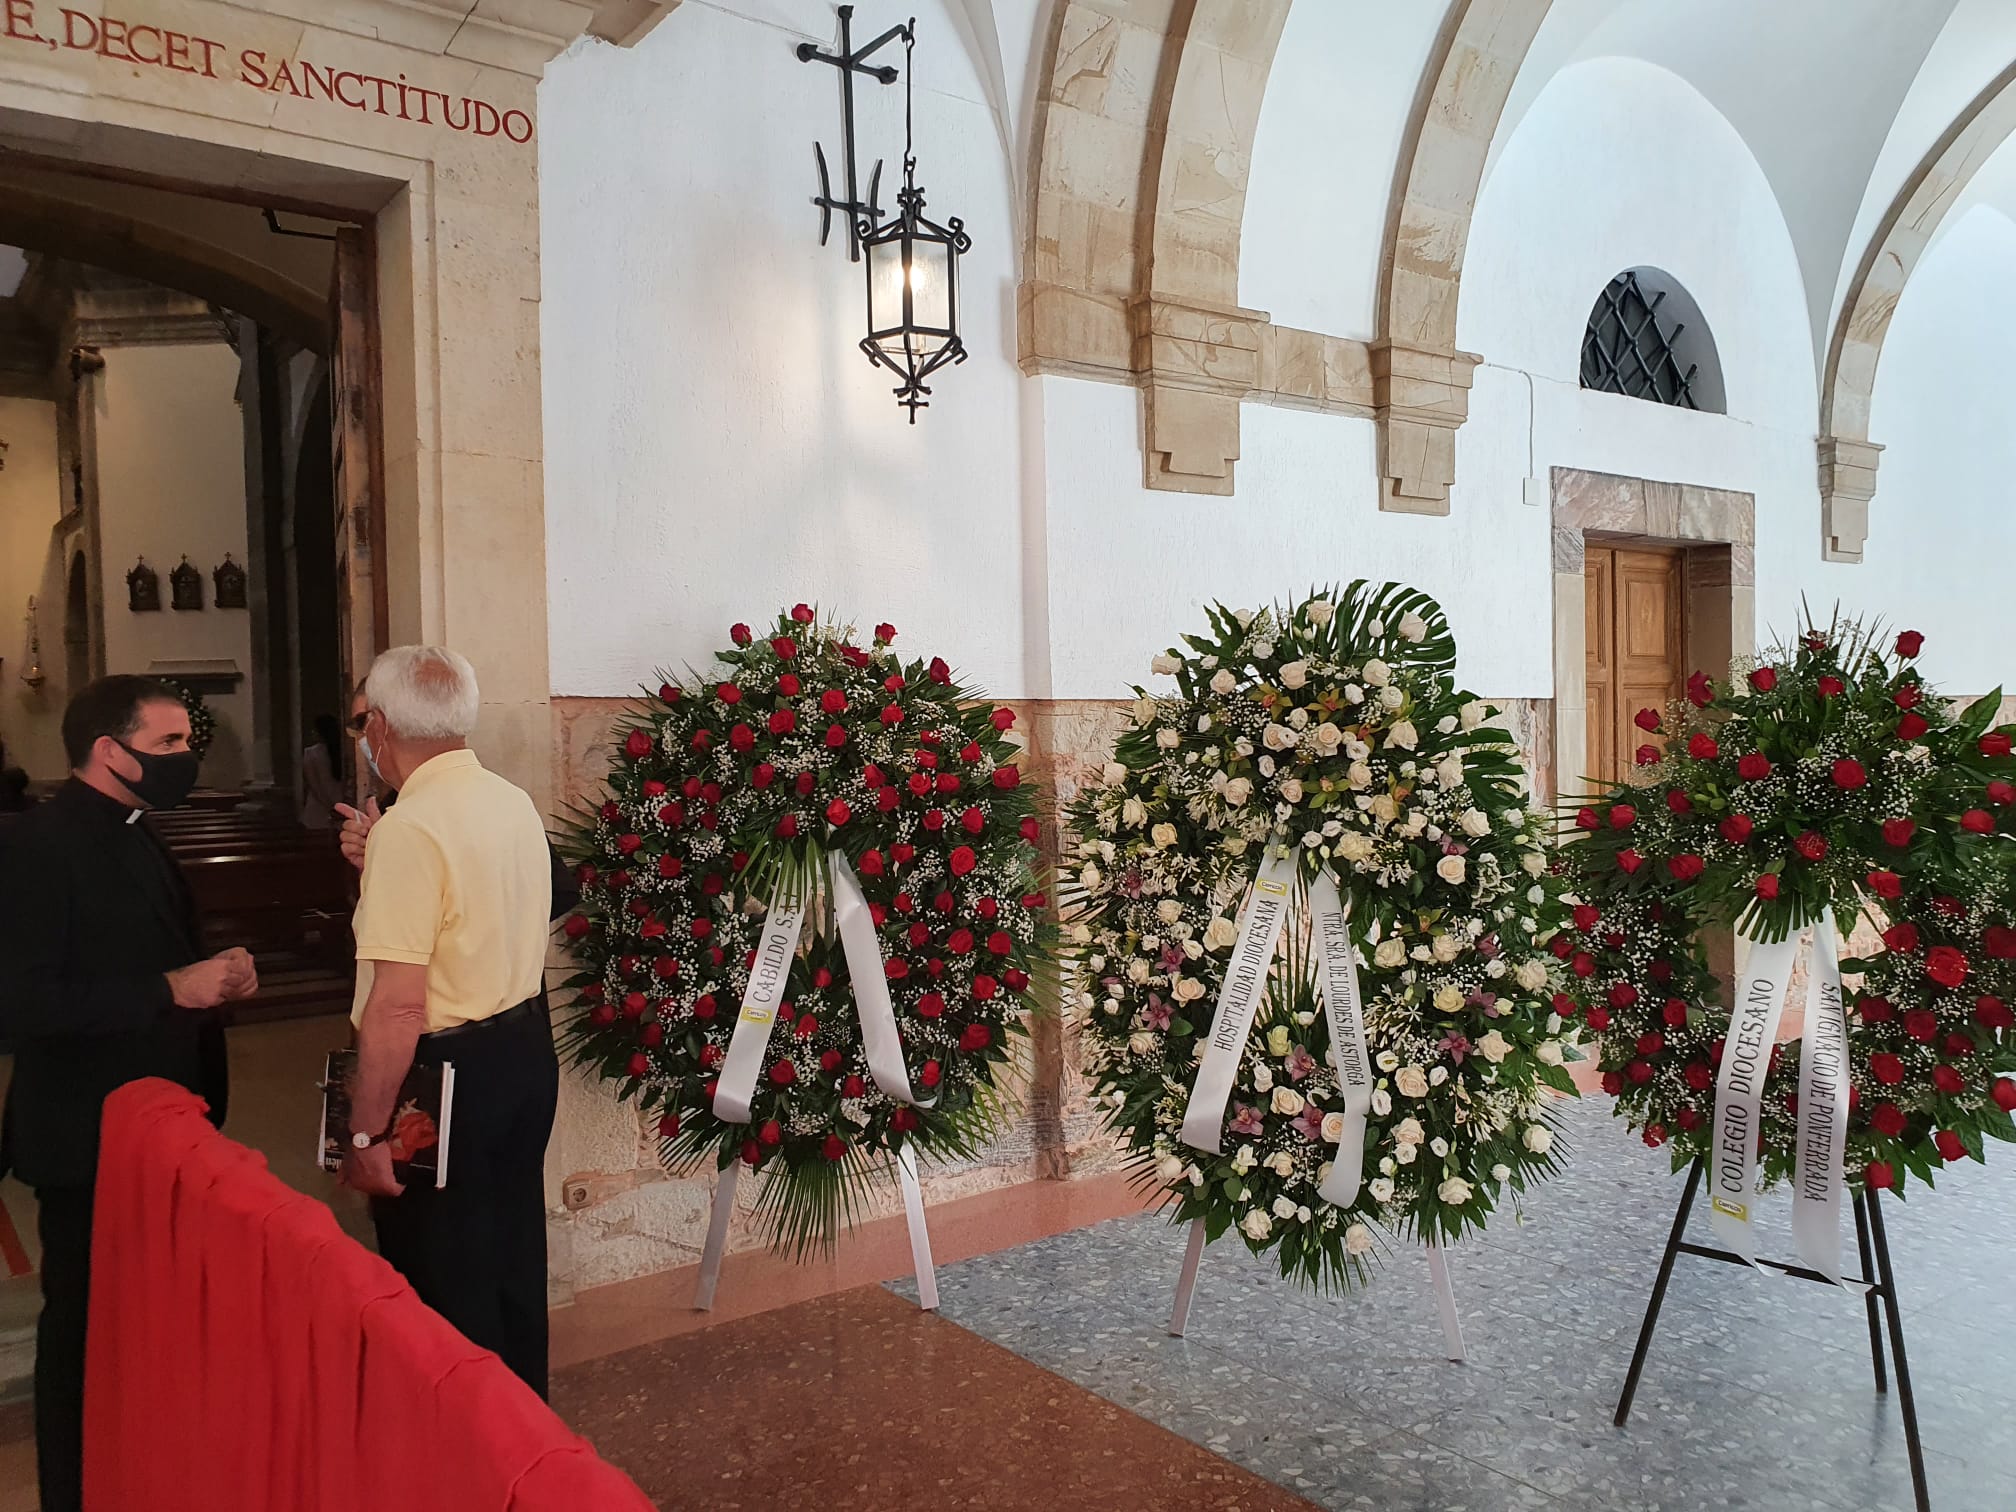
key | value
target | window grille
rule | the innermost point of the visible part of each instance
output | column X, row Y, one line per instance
column 1627, row 351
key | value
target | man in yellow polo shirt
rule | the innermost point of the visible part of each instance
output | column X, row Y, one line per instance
column 451, row 929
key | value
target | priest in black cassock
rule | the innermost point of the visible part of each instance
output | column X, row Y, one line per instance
column 103, row 980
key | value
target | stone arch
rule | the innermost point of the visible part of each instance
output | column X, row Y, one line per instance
column 1848, row 457
column 1142, row 143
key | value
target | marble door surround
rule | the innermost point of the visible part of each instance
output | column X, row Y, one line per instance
column 1716, row 530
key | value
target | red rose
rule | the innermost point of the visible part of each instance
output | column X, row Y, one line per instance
column 903, row 1120
column 1908, row 696
column 920, row 936
column 1654, row 1135
column 1978, row 821
column 984, row 988
column 2000, row 943
column 943, row 902
column 789, row 685
column 1651, row 1042
column 1993, row 1013
column 1951, row 1147
column 638, row 745
column 885, row 633
column 1922, row 1024
column 1584, row 964
column 1946, row 966
column 1898, row 831
column 1612, row 1083
column 1675, row 1013
column 802, row 613
column 1586, row 818
column 1700, row 1076
column 1599, row 1017
column 1736, row 828
column 1764, row 679
column 783, row 721
column 1832, row 687
column 1700, row 691
column 1703, row 747
column 640, row 1065
column 895, row 968
column 1995, row 743
column 930, row 1073
column 602, row 1015
column 963, row 861
column 930, row 1005
column 835, row 1148
column 1031, row 831
column 1586, row 915
column 787, row 827
column 970, row 752
column 1639, row 1071
column 1848, row 773
column 1876, row 1010
column 1958, row 1045
column 940, row 673
column 2003, row 1091
column 1646, row 719
column 902, row 852
column 1910, row 643
column 772, row 1133
column 1679, row 802
column 1629, row 860
column 892, row 714
column 740, row 634
column 763, row 775
column 1753, row 767
column 1623, row 995
column 893, row 683
column 1887, row 1120
column 853, row 1087
column 1911, row 726
column 1684, row 867
column 1648, row 755
column 784, row 646
column 973, row 821
column 837, row 812
column 999, row 943
column 1621, row 815
column 1886, row 1068
column 2001, row 794
column 976, row 1037
column 948, row 782
column 1949, row 1081
column 1015, row 979
column 1901, row 937
column 1885, row 884
column 934, row 820
column 1878, row 1176
column 1689, row 1120
column 1007, row 777
column 1812, row 845
column 576, row 926
column 1002, row 718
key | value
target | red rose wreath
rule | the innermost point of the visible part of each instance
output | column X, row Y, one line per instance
column 1828, row 783
column 811, row 772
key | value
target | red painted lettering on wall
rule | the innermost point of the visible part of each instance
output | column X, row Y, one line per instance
column 145, row 45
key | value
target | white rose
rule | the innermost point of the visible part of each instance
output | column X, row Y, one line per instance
column 1284, row 1207
column 1408, row 1133
column 1412, row 1081
column 1169, row 1167
column 1449, row 772
column 1169, row 910
column 1354, row 847
column 1450, row 869
column 1381, row 1189
column 1534, row 862
column 1358, row 775
column 1455, row 1191
column 1390, row 954
column 1403, row 736
column 1357, row 1239
column 1391, row 697
column 1494, row 1047
column 1278, row 1041
column 1377, row 673
column 1474, row 822
column 1413, row 627
column 1186, row 989
column 1333, row 1127
column 1164, row 665
column 1448, row 998
column 1407, row 1154
column 1262, row 650
column 1438, row 1076
column 1244, row 616
column 1328, row 737
column 1281, row 1163
column 1144, row 711
column 1385, row 809
column 1220, row 933
column 1113, row 774
column 1291, row 789
column 1263, row 1078
column 1238, row 790
column 1501, row 1172
column 1167, row 739
column 1137, row 970
column 1192, row 950
column 1256, row 1225
column 1538, row 1139
column 1446, row 725
column 1294, row 674
column 1278, row 737
column 1473, row 714
column 1243, row 746
column 1319, row 611
column 1550, row 1053
column 1243, row 1160
column 1447, row 947
column 1287, row 1101
column 1353, row 694
column 1142, row 1043
column 1164, row 836
column 1089, row 878
column 1531, row 976
column 1203, row 723
column 1222, row 681
column 1081, row 934
column 1133, row 813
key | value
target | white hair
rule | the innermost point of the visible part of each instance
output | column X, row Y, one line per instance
column 424, row 692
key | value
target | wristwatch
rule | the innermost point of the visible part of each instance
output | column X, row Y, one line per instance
column 362, row 1141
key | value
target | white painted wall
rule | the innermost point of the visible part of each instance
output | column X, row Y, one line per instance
column 31, row 499
column 171, row 481
column 716, row 446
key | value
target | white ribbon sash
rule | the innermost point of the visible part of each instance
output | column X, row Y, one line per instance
column 1342, row 1006
column 1823, row 1113
column 774, row 954
column 880, row 1041
column 1739, row 1094
column 1238, row 1000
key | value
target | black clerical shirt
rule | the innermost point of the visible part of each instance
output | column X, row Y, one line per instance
column 94, row 912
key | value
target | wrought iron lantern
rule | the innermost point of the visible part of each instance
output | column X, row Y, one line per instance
column 912, row 261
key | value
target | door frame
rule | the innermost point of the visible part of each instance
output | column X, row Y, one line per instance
column 1715, row 529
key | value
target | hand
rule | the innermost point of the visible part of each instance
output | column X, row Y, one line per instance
column 243, row 980
column 356, row 829
column 370, row 1172
column 208, row 983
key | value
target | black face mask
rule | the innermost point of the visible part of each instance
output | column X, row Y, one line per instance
column 165, row 779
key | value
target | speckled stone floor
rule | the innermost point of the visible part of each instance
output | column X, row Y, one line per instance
column 1758, row 1394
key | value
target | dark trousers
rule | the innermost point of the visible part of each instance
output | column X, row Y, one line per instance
column 475, row 1250
column 64, row 1221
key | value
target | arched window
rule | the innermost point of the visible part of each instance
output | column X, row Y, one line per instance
column 1647, row 339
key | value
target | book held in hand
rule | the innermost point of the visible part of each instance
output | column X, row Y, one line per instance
column 420, row 1125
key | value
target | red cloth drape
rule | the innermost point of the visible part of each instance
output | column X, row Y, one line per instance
column 245, row 1354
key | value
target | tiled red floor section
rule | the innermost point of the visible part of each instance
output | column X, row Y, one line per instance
column 860, row 1403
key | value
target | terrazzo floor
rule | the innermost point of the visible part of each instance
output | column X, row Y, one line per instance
column 1758, row 1393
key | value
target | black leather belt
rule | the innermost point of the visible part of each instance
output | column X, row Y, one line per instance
column 525, row 1010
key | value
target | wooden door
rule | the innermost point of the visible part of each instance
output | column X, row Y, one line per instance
column 356, row 429
column 1636, row 638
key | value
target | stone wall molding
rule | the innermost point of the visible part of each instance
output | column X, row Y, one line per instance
column 1847, row 457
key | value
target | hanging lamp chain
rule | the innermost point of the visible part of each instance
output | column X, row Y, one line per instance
column 909, row 75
